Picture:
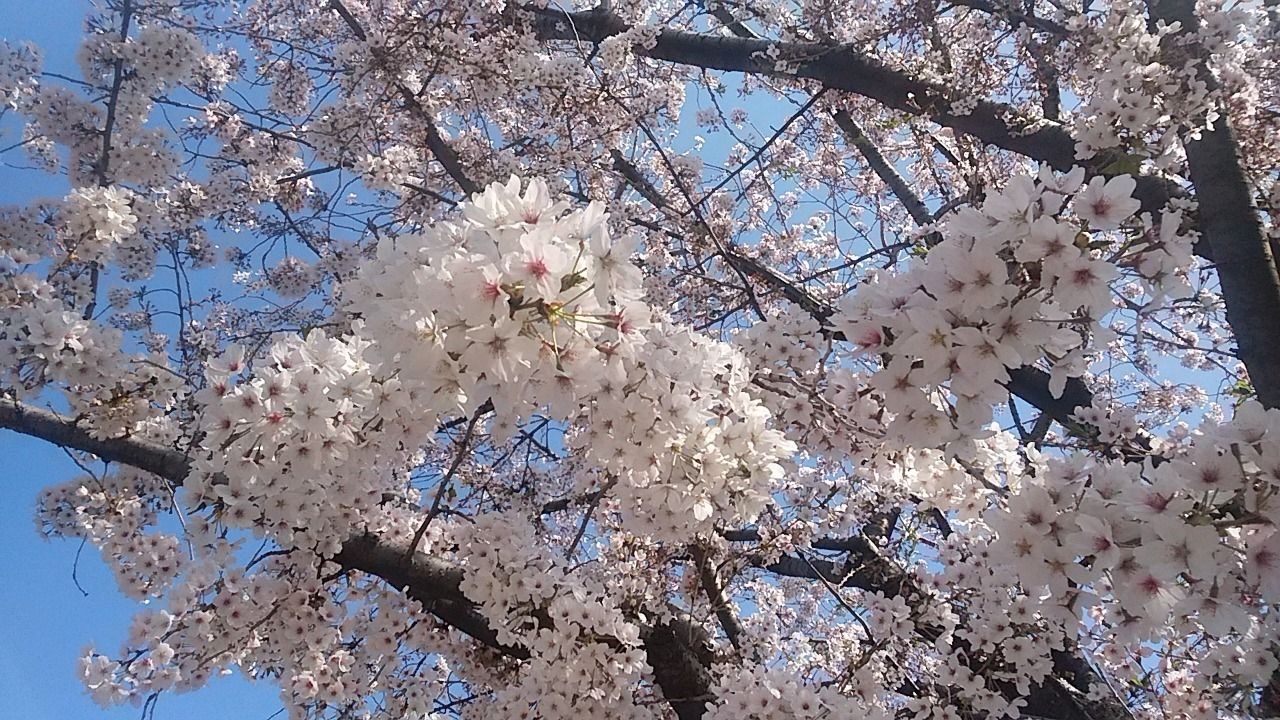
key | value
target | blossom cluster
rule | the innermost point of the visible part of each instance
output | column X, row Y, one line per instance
column 621, row 442
column 585, row 655
column 97, row 220
column 1014, row 282
column 524, row 308
column 329, row 647
column 49, row 345
column 773, row 694
column 19, row 65
column 112, row 513
column 1144, row 95
column 1177, row 552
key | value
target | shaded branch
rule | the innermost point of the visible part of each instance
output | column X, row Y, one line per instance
column 841, row 67
column 677, row 650
column 1229, row 222
column 723, row 608
column 59, row 430
column 446, row 155
column 1018, row 18
column 875, row 160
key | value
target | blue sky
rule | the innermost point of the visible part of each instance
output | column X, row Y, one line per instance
column 45, row 621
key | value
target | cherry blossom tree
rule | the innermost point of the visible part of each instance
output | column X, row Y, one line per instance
column 726, row 359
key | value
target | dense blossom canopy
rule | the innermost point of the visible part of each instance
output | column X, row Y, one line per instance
column 781, row 360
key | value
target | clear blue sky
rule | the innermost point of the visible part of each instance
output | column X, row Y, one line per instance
column 45, row 621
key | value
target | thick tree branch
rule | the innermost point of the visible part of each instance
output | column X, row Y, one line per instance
column 432, row 581
column 63, row 432
column 1031, row 384
column 678, row 651
column 865, row 567
column 841, row 67
column 1229, row 223
column 720, row 603
column 875, row 160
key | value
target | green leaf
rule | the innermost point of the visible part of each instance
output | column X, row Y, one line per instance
column 1242, row 391
column 1127, row 164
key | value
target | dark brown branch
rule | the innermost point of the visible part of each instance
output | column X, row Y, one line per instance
column 858, row 571
column 307, row 173
column 804, row 109
column 54, row 428
column 854, row 544
column 896, row 183
column 680, row 654
column 1017, row 18
column 443, row 486
column 432, row 581
column 1229, row 223
column 678, row 651
column 720, row 604
column 841, row 67
column 1029, row 383
column 446, row 155
column 102, row 167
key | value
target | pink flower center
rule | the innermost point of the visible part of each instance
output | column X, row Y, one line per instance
column 1150, row 585
column 537, row 267
column 1083, row 276
column 622, row 324
column 870, row 337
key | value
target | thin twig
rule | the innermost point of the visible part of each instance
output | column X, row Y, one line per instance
column 75, row 568
column 586, row 517
column 444, row 483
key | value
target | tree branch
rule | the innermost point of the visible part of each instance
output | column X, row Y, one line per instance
column 841, row 67
column 715, row 595
column 1018, row 18
column 875, row 160
column 446, row 155
column 54, row 428
column 677, row 650
column 1229, row 222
